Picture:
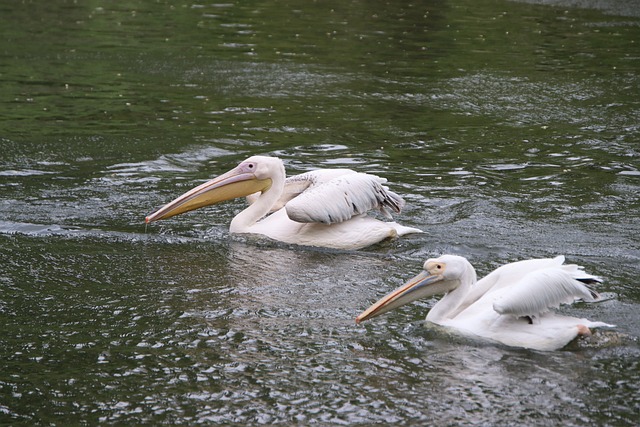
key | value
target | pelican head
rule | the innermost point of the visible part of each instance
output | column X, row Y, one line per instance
column 439, row 276
column 251, row 176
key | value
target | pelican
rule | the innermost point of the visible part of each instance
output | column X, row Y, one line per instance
column 325, row 208
column 510, row 306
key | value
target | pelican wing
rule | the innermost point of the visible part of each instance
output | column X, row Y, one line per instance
column 339, row 199
column 539, row 291
column 505, row 276
column 298, row 184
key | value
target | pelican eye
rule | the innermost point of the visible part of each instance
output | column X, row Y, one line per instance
column 434, row 267
column 250, row 166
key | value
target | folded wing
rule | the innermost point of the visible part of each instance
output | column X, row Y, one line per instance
column 542, row 290
column 298, row 184
column 340, row 198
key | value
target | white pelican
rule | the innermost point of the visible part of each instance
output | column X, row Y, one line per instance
column 511, row 305
column 326, row 208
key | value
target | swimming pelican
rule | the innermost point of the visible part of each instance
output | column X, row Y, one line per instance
column 326, row 208
column 511, row 305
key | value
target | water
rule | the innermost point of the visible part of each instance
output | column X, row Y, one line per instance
column 511, row 128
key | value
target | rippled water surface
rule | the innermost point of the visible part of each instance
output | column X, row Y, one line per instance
column 512, row 129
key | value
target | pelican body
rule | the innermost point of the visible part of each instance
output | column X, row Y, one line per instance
column 512, row 305
column 325, row 208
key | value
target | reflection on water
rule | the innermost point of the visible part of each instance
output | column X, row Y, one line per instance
column 510, row 128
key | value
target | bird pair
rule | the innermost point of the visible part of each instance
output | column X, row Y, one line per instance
column 328, row 208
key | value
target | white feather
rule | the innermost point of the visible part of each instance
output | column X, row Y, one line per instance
column 540, row 291
column 298, row 184
column 342, row 198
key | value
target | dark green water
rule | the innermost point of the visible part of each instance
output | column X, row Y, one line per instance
column 511, row 128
